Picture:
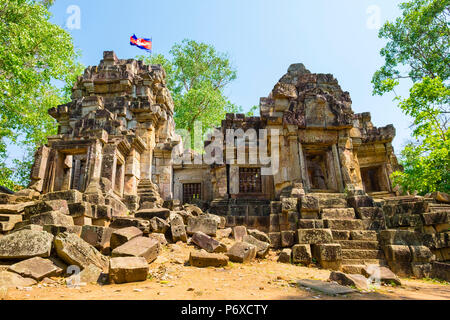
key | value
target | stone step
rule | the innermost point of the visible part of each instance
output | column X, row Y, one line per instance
column 368, row 235
column 362, row 254
column 341, row 234
column 353, row 268
column 359, row 244
column 338, row 213
column 344, row 224
column 379, row 262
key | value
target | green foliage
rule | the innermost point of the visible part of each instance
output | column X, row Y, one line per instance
column 34, row 53
column 196, row 76
column 418, row 50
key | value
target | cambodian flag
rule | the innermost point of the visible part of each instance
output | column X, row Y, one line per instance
column 145, row 44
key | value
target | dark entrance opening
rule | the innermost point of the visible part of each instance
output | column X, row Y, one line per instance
column 371, row 179
column 250, row 180
column 191, row 191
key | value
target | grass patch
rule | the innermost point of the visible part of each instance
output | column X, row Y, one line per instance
column 436, row 281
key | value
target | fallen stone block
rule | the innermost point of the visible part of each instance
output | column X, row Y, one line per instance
column 38, row 207
column 262, row 248
column 205, row 225
column 421, row 270
column 325, row 287
column 239, row 232
column 148, row 214
column 301, row 253
column 177, row 229
column 53, row 217
column 36, row 268
column 122, row 236
column 207, row 243
column 161, row 238
column 380, row 274
column 356, row 280
column 242, row 252
column 16, row 208
column 128, row 269
column 158, row 225
column 285, row 256
column 261, row 236
column 138, row 247
column 13, row 280
column 124, row 222
column 26, row 244
column 314, row 236
column 99, row 237
column 55, row 229
column 90, row 274
column 221, row 221
column 224, row 233
column 201, row 259
column 75, row 251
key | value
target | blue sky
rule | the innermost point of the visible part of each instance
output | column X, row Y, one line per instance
column 262, row 38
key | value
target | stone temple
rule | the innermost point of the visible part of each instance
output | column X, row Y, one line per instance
column 112, row 161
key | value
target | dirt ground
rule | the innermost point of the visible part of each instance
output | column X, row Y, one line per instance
column 265, row 279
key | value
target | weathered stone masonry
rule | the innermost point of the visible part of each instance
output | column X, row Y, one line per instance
column 331, row 198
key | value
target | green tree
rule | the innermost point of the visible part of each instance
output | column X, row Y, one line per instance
column 196, row 76
column 34, row 55
column 417, row 51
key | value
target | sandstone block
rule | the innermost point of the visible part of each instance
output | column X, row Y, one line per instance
column 148, row 214
column 53, row 217
column 158, row 225
column 399, row 237
column 122, row 236
column 25, row 244
column 242, row 252
column 314, row 236
column 207, row 243
column 421, row 254
column 70, row 196
column 301, row 253
column 285, row 256
column 275, row 240
column 224, row 233
column 161, row 238
column 128, row 269
column 356, row 280
column 97, row 236
column 262, row 248
column 13, row 280
column 124, row 222
column 201, row 259
column 287, row 239
column 75, row 251
column 381, row 274
column 205, row 225
column 178, row 229
column 36, row 268
column 138, row 247
column 328, row 255
column 239, row 232
column 261, row 236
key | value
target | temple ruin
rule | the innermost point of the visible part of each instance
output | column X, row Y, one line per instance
column 328, row 194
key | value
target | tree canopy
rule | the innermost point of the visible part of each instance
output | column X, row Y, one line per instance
column 417, row 51
column 34, row 55
column 196, row 76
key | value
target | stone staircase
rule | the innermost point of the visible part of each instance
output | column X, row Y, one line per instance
column 149, row 195
column 360, row 247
